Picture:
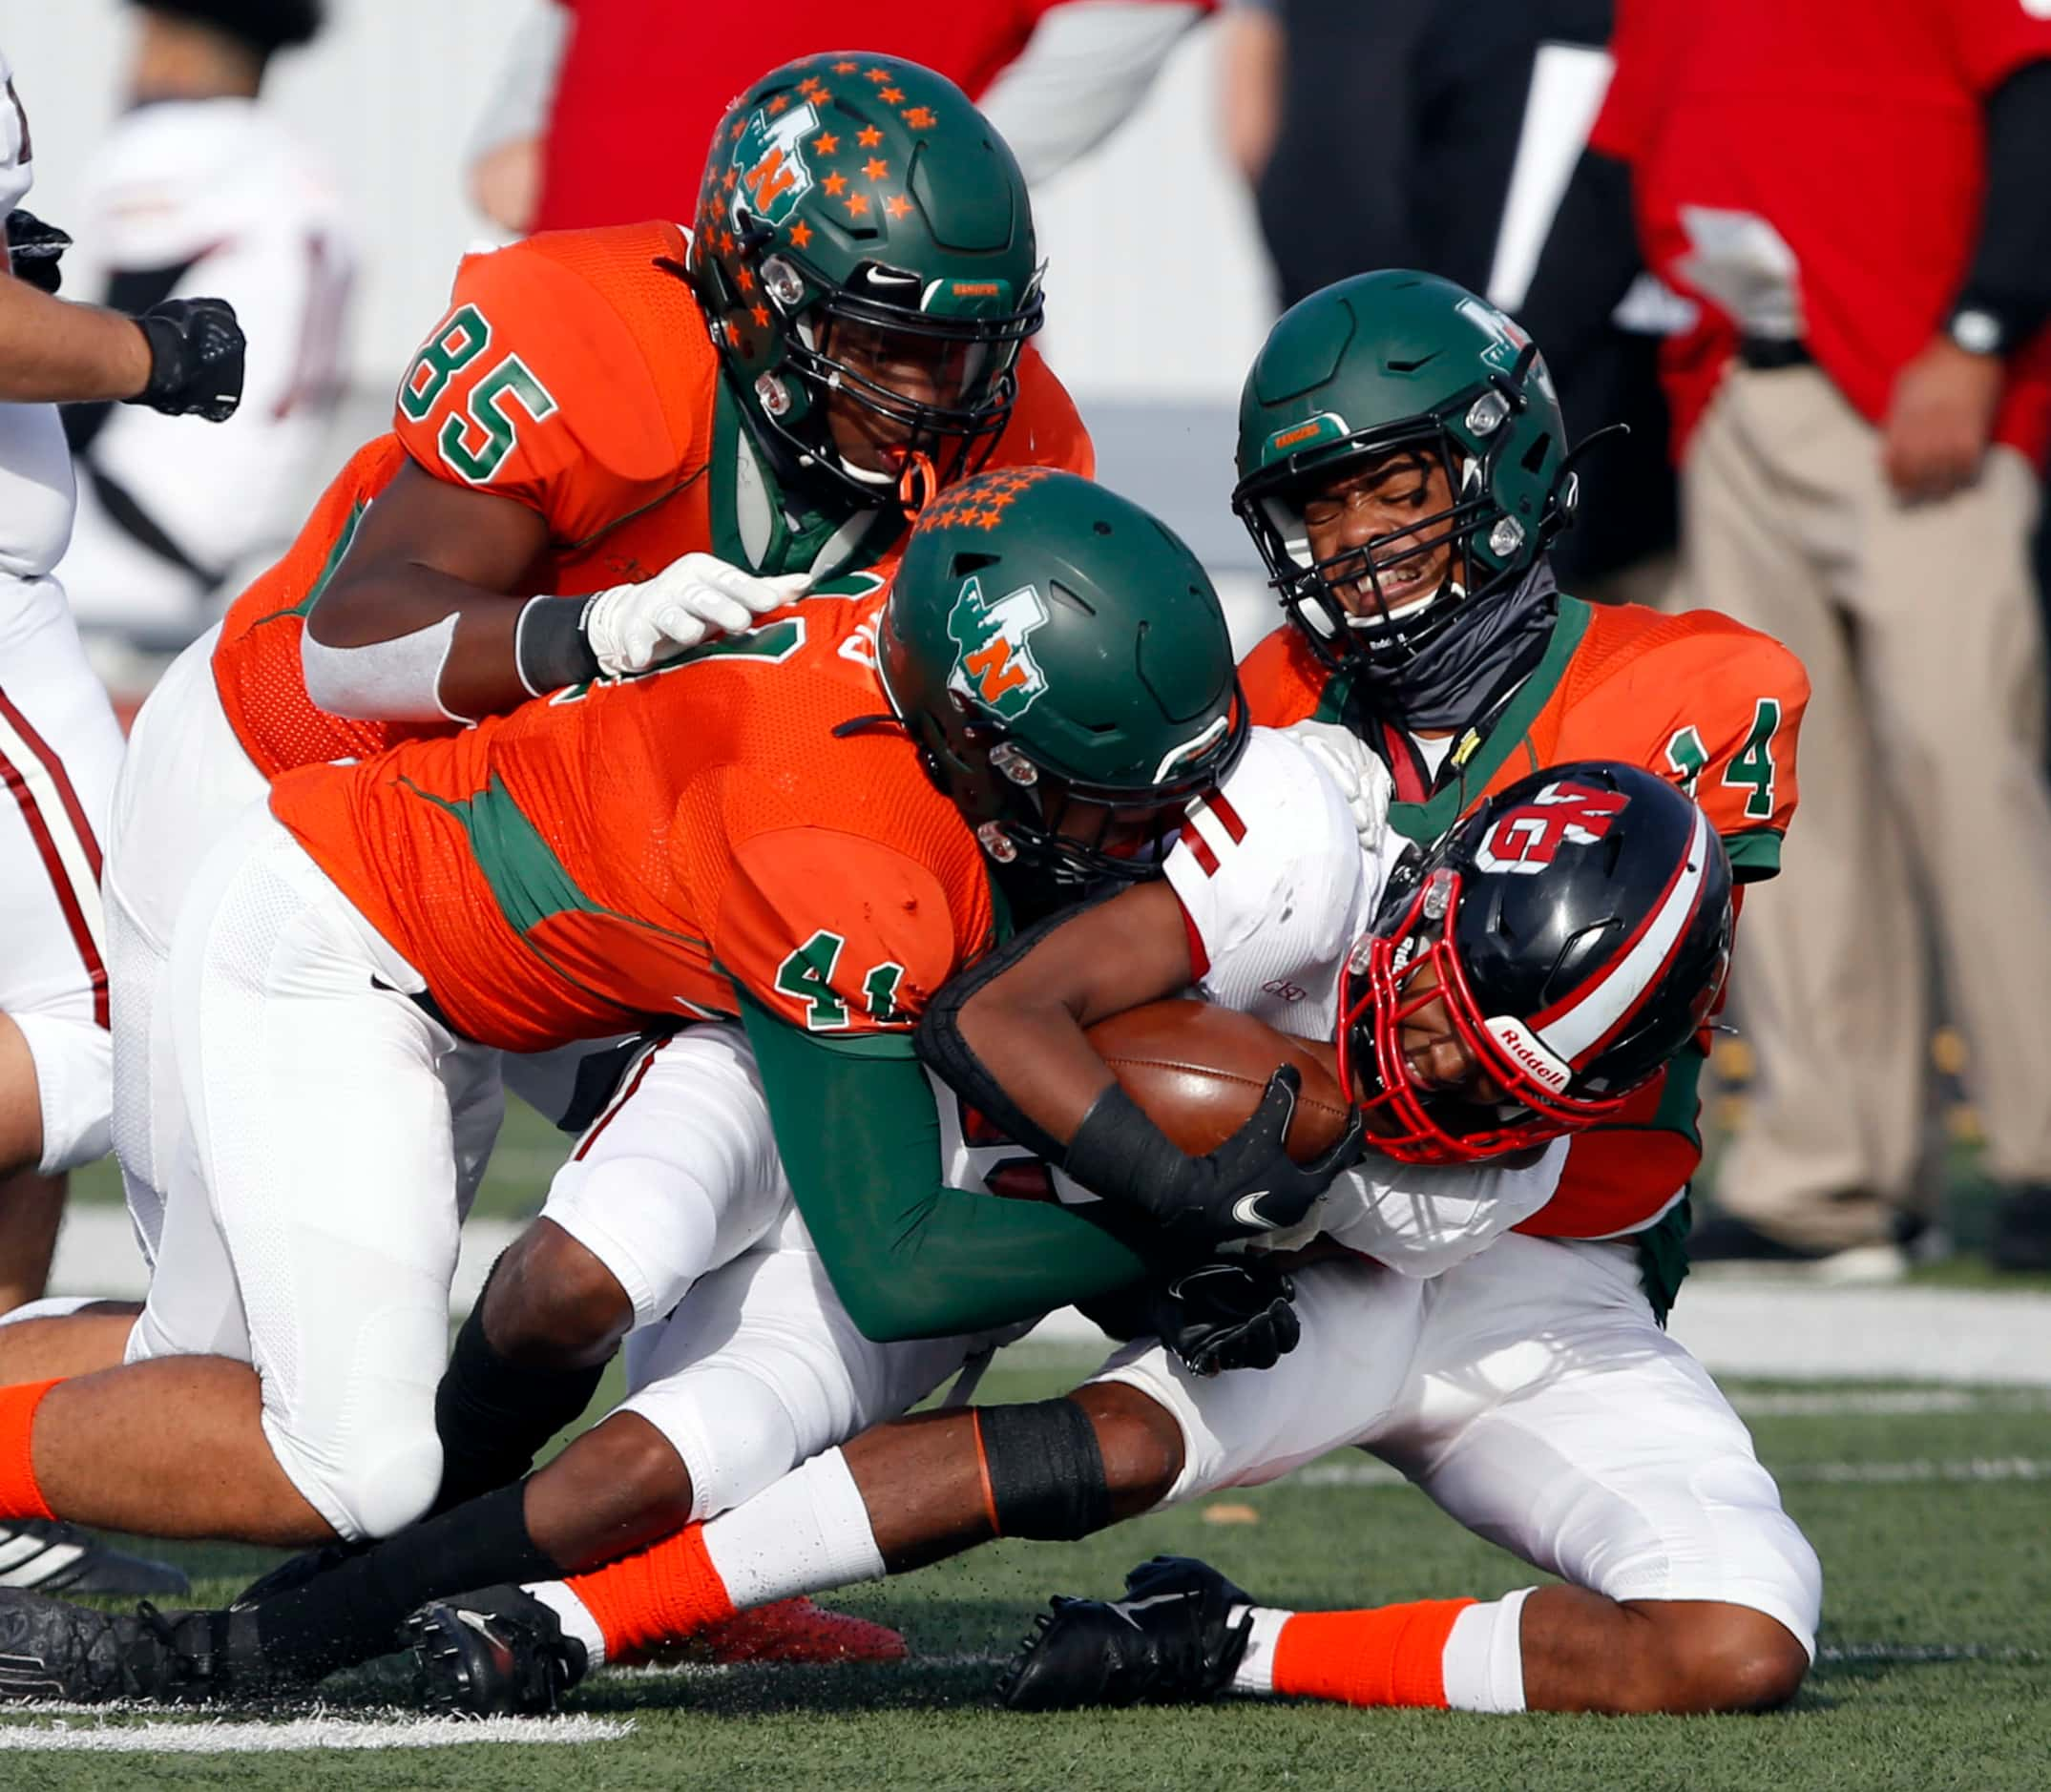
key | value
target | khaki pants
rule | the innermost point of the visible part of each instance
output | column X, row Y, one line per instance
column 1922, row 794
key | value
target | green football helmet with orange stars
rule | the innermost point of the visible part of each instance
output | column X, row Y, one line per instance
column 863, row 231
column 1062, row 662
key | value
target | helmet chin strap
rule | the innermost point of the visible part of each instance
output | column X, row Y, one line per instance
column 1450, row 590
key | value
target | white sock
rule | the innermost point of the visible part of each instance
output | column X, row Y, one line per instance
column 1484, row 1658
column 1256, row 1670
column 574, row 1617
column 803, row 1533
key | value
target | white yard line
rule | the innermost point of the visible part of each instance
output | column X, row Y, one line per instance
column 1888, row 1402
column 1977, row 1468
column 90, row 1733
column 1896, row 1653
column 1961, row 1335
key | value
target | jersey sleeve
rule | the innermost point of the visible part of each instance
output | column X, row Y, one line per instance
column 532, row 387
column 1718, row 710
column 1623, row 1174
column 1269, row 874
column 1421, row 1219
column 908, row 1256
column 1045, row 428
column 1283, row 683
column 837, row 933
column 1994, row 38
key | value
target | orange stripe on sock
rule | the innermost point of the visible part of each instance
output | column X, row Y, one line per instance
column 20, row 1497
column 1393, row 1654
column 668, row 1591
column 982, row 1471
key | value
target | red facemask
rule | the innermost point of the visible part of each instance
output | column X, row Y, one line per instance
column 1410, row 1120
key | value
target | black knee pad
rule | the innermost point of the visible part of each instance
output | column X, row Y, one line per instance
column 1046, row 1474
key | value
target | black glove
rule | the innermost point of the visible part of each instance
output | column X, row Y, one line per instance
column 33, row 247
column 196, row 358
column 1227, row 1315
column 1244, row 1189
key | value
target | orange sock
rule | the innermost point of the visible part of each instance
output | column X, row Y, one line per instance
column 19, row 1495
column 668, row 1591
column 1393, row 1654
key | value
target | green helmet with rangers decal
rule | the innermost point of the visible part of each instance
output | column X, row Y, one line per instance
column 1383, row 363
column 856, row 196
column 1063, row 663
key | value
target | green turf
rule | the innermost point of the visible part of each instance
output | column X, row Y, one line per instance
column 1937, row 1672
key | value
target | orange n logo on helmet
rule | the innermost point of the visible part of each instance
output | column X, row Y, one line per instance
column 769, row 179
column 768, row 158
column 995, row 672
column 993, row 663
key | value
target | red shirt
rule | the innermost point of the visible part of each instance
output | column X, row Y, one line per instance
column 1854, row 129
column 643, row 82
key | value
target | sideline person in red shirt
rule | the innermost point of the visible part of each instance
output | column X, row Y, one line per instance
column 602, row 113
column 1855, row 189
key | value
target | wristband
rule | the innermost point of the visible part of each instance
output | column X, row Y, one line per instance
column 550, row 648
column 1121, row 1156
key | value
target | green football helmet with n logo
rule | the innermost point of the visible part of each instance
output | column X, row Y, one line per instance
column 856, row 198
column 1378, row 365
column 1063, row 663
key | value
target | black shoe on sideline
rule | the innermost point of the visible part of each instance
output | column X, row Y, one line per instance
column 47, row 1555
column 491, row 1654
column 1726, row 1239
column 1170, row 1641
column 2023, row 1230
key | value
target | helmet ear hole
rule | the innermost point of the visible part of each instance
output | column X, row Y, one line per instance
column 1534, row 455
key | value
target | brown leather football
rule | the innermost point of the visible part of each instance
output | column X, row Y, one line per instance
column 1196, row 1070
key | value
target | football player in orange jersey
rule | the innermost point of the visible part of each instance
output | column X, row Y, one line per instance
column 1403, row 464
column 671, row 430
column 1404, row 467
column 1517, row 980
column 798, row 828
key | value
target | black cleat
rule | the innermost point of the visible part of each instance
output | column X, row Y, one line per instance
column 1170, row 1641
column 47, row 1555
column 493, row 1654
column 51, row 1650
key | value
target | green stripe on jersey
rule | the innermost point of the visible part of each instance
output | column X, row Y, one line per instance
column 526, row 878
column 1754, row 853
column 328, row 568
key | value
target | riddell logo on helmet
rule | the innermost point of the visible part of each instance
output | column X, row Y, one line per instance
column 770, row 164
column 1522, row 1048
column 993, row 663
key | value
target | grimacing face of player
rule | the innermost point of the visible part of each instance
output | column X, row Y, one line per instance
column 922, row 369
column 1439, row 1059
column 1387, row 496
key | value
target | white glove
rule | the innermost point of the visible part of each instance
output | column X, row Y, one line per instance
column 1362, row 779
column 633, row 627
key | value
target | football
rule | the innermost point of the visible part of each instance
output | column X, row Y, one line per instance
column 1198, row 1071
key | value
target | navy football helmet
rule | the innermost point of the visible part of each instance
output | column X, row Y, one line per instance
column 1577, row 930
